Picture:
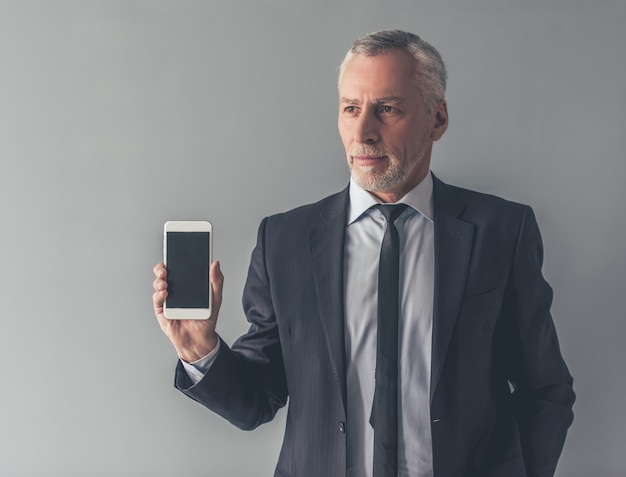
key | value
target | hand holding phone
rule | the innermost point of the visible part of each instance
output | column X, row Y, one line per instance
column 193, row 338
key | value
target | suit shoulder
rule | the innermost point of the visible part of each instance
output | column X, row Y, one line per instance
column 488, row 204
column 474, row 196
column 308, row 213
column 485, row 211
column 288, row 231
column 492, row 217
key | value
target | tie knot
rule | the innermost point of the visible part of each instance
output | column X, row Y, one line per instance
column 391, row 211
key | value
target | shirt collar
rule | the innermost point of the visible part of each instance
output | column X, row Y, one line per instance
column 419, row 198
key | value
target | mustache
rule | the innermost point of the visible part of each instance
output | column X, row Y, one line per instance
column 366, row 150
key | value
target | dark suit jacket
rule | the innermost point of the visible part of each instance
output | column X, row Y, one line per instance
column 492, row 332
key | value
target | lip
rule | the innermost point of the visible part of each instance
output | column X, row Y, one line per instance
column 368, row 160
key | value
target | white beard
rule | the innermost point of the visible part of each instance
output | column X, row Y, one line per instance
column 393, row 176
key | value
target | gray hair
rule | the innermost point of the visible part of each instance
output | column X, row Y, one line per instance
column 430, row 71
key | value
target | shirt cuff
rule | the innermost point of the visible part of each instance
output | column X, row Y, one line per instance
column 197, row 369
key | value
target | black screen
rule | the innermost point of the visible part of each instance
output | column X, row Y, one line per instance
column 188, row 269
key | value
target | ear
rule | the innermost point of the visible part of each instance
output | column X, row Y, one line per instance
column 441, row 120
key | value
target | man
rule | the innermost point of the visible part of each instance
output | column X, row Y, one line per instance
column 482, row 389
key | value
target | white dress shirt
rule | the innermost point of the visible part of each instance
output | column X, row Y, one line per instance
column 364, row 235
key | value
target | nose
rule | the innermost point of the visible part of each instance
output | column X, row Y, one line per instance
column 366, row 130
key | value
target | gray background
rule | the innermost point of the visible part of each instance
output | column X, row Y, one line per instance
column 118, row 115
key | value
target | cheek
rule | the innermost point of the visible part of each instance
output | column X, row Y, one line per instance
column 407, row 142
column 395, row 142
column 345, row 135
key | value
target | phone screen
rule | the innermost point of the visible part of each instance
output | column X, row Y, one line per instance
column 188, row 269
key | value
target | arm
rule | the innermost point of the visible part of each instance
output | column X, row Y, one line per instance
column 543, row 385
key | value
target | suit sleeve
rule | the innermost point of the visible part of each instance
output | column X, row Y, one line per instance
column 246, row 384
column 543, row 393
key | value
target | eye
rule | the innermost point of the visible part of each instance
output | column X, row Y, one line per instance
column 349, row 109
column 387, row 109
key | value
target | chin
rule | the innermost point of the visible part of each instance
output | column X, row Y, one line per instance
column 374, row 183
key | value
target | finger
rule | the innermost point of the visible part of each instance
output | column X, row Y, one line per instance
column 217, row 284
column 160, row 271
column 217, row 277
column 158, row 298
column 159, row 284
column 164, row 323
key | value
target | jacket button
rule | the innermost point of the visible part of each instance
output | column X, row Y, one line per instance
column 342, row 427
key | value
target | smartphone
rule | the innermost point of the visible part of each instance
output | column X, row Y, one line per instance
column 187, row 254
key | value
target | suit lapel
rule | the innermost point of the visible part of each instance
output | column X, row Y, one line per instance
column 453, row 242
column 327, row 249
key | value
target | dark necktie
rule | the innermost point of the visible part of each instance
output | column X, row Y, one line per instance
column 384, row 417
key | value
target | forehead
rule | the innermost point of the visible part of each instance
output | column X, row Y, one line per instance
column 388, row 74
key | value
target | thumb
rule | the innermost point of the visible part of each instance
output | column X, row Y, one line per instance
column 217, row 284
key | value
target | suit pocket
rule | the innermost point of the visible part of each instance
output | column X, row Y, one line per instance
column 479, row 313
column 482, row 302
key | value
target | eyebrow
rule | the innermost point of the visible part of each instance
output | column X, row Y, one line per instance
column 383, row 100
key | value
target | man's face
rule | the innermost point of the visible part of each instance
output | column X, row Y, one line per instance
column 385, row 125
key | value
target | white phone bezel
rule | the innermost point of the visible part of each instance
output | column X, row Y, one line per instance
column 188, row 226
